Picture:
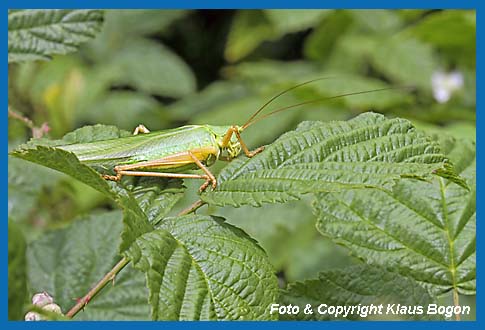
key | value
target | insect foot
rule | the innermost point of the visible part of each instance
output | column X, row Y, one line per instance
column 255, row 152
column 207, row 183
column 111, row 177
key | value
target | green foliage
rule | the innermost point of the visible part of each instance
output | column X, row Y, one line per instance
column 141, row 203
column 394, row 206
column 421, row 230
column 17, row 273
column 38, row 34
column 368, row 151
column 68, row 262
column 453, row 32
column 199, row 267
column 152, row 68
column 252, row 27
column 358, row 285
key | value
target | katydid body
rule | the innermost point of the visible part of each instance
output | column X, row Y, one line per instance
column 168, row 153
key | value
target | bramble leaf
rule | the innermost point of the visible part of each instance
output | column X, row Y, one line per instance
column 199, row 267
column 368, row 151
column 37, row 34
column 358, row 285
column 421, row 230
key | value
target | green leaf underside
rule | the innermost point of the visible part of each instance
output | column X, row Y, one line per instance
column 68, row 262
column 356, row 285
column 421, row 230
column 368, row 151
column 199, row 267
column 38, row 34
column 143, row 204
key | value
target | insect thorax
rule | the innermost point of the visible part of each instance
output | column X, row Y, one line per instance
column 233, row 149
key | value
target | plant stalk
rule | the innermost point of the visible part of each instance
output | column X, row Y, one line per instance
column 456, row 302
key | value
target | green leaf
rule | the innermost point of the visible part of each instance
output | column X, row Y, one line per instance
column 288, row 235
column 452, row 31
column 139, row 205
column 217, row 94
column 422, row 230
column 199, row 267
column 152, row 68
column 123, row 25
column 68, row 262
column 291, row 20
column 38, row 34
column 377, row 21
column 17, row 273
column 249, row 29
column 320, row 43
column 404, row 60
column 25, row 183
column 368, row 151
column 136, row 107
column 359, row 285
column 154, row 196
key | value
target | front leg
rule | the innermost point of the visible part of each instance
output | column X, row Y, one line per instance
column 236, row 130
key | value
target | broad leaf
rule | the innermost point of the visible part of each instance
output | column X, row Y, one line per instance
column 377, row 21
column 404, row 60
column 250, row 28
column 38, row 34
column 152, row 68
column 359, row 285
column 68, row 262
column 291, row 20
column 25, row 183
column 199, row 267
column 451, row 31
column 323, row 38
column 17, row 273
column 368, row 151
column 422, row 230
column 123, row 25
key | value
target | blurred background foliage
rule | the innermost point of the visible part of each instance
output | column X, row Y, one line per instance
column 170, row 68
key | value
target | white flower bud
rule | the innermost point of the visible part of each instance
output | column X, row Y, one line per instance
column 32, row 316
column 445, row 84
column 41, row 299
column 55, row 308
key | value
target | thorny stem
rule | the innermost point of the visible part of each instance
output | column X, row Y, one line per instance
column 110, row 276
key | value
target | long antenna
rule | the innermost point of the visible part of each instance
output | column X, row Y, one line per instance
column 253, row 121
column 281, row 93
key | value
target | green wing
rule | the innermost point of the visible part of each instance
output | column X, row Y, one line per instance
column 142, row 147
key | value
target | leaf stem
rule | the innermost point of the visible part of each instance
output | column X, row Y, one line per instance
column 81, row 303
column 110, row 276
column 456, row 302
